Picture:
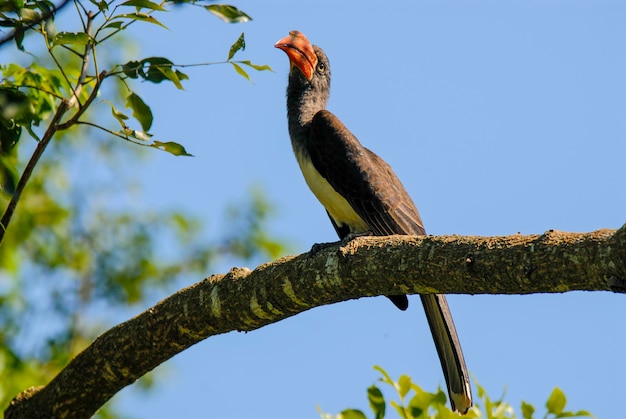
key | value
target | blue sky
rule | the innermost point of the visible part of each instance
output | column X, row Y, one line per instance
column 499, row 117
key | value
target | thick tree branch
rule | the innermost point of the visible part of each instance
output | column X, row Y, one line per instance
column 245, row 300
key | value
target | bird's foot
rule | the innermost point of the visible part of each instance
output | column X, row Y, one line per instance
column 351, row 236
column 318, row 247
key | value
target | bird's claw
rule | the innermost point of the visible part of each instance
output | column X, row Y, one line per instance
column 318, row 247
column 351, row 236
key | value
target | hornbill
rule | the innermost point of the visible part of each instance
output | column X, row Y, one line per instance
column 360, row 192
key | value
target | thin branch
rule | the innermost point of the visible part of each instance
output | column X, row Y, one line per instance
column 59, row 66
column 85, row 66
column 39, row 88
column 80, row 13
column 82, row 108
column 245, row 300
column 114, row 133
column 53, row 127
column 28, row 170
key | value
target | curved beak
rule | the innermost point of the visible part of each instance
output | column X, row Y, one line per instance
column 300, row 52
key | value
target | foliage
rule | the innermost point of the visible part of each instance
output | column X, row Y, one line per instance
column 73, row 260
column 416, row 403
column 31, row 93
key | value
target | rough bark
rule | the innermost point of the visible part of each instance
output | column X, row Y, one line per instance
column 245, row 300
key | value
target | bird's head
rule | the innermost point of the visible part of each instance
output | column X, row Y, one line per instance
column 308, row 62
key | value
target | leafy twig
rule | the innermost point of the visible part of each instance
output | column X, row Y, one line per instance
column 44, row 16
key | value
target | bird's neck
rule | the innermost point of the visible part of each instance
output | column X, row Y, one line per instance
column 303, row 102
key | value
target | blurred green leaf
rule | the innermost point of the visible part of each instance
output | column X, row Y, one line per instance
column 377, row 401
column 15, row 110
column 256, row 66
column 139, row 135
column 404, row 385
column 172, row 148
column 141, row 111
column 171, row 75
column 386, row 378
column 144, row 4
column 229, row 14
column 556, row 402
column 527, row 410
column 29, row 15
column 102, row 5
column 240, row 71
column 158, row 70
column 143, row 18
column 132, row 68
column 240, row 44
column 583, row 413
column 121, row 117
column 351, row 414
column 116, row 24
column 70, row 38
column 19, row 35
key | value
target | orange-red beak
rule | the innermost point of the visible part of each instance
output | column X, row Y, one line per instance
column 300, row 52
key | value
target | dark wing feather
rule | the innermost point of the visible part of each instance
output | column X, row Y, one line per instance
column 365, row 180
column 376, row 194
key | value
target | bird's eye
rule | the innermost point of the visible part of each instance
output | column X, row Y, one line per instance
column 321, row 67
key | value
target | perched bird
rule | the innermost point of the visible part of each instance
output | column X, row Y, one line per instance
column 360, row 192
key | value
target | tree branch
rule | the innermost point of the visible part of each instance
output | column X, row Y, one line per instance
column 54, row 126
column 245, row 300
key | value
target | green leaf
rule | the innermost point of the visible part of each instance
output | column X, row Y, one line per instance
column 171, row 147
column 399, row 409
column 351, row 414
column 171, row 75
column 143, row 4
column 422, row 401
column 158, row 69
column 141, row 111
column 102, row 5
column 19, row 36
column 116, row 24
column 386, row 378
column 229, row 14
column 143, row 17
column 556, row 402
column 240, row 70
column 181, row 75
column 131, row 69
column 29, row 15
column 240, row 44
column 527, row 410
column 256, row 66
column 404, row 385
column 15, row 108
column 70, row 38
column 377, row 401
column 50, row 29
column 118, row 115
column 139, row 135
